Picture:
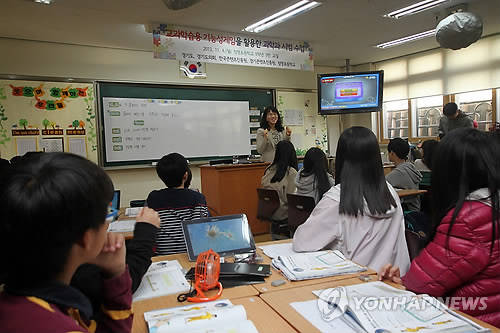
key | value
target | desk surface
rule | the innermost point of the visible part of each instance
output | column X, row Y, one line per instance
column 276, row 275
column 408, row 193
column 280, row 302
column 169, row 301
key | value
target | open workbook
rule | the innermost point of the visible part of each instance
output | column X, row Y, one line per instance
column 314, row 265
column 376, row 307
column 162, row 278
column 218, row 316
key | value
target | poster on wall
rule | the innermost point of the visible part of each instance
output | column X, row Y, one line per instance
column 46, row 114
column 199, row 45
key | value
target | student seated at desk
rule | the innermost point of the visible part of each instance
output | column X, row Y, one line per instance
column 313, row 179
column 463, row 257
column 53, row 219
column 428, row 149
column 361, row 215
column 280, row 176
column 138, row 259
column 174, row 203
column 405, row 175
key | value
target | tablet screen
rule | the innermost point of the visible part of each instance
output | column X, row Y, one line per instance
column 223, row 234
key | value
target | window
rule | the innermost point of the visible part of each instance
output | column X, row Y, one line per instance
column 395, row 122
column 418, row 119
column 479, row 106
column 426, row 111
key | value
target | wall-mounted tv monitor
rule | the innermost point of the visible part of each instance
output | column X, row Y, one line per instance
column 350, row 92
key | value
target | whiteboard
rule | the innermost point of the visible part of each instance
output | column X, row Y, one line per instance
column 138, row 129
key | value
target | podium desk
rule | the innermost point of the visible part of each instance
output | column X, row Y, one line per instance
column 232, row 189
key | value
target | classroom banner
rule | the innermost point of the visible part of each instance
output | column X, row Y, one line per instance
column 192, row 44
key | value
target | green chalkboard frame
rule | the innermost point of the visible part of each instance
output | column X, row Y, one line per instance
column 257, row 98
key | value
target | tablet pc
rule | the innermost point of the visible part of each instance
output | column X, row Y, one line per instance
column 226, row 235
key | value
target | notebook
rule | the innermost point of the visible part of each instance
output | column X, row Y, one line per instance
column 226, row 235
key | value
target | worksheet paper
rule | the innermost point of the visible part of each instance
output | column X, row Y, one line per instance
column 122, row 226
column 162, row 278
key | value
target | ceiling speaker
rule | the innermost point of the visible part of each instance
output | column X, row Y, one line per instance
column 459, row 30
column 179, row 4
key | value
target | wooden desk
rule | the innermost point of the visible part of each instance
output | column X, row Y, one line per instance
column 276, row 275
column 169, row 301
column 280, row 302
column 232, row 189
column 409, row 193
column 388, row 168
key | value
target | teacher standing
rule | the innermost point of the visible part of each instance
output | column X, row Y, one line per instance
column 271, row 132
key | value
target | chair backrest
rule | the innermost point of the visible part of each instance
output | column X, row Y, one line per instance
column 426, row 178
column 414, row 243
column 268, row 203
column 299, row 209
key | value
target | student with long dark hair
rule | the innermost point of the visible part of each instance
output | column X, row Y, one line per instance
column 463, row 257
column 313, row 179
column 280, row 176
column 428, row 149
column 361, row 215
column 271, row 132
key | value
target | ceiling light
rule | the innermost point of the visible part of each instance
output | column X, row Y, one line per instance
column 283, row 15
column 415, row 8
column 407, row 39
column 45, row 2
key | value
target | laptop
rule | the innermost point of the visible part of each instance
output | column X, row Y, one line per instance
column 226, row 235
column 115, row 202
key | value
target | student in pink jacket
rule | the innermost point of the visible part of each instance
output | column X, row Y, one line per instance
column 463, row 258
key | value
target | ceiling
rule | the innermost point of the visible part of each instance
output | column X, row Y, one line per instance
column 337, row 30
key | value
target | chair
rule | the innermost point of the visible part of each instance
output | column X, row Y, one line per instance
column 414, row 242
column 299, row 209
column 267, row 204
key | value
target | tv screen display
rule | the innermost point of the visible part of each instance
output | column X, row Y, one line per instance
column 350, row 92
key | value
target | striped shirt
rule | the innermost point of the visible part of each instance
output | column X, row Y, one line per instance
column 175, row 205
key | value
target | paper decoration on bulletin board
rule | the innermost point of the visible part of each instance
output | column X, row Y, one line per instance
column 294, row 117
column 24, row 145
column 54, row 130
column 193, row 69
column 56, row 97
column 78, row 146
column 25, row 130
column 50, row 145
column 73, row 128
column 3, row 131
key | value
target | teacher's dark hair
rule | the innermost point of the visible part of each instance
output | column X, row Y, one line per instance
column 469, row 159
column 263, row 120
column 284, row 158
column 359, row 170
column 47, row 205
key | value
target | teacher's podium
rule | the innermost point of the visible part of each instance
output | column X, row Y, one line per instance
column 232, row 189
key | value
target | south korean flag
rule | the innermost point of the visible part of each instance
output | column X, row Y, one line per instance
column 193, row 70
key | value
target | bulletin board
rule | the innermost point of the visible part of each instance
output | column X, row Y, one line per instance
column 47, row 116
column 300, row 112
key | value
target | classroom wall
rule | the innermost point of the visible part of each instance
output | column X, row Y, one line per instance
column 44, row 59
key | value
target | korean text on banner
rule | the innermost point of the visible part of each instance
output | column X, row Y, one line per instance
column 192, row 44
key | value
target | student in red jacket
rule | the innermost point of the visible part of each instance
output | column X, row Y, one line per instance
column 53, row 219
column 463, row 259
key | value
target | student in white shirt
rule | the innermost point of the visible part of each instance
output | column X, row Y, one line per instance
column 364, row 220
